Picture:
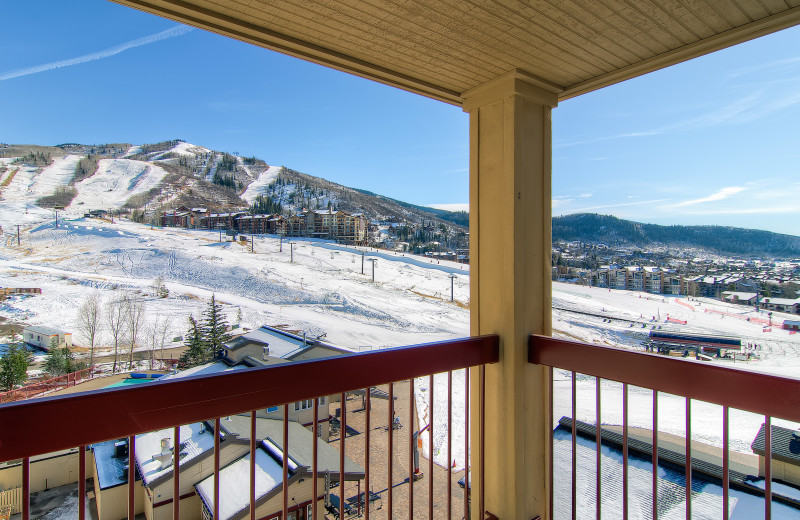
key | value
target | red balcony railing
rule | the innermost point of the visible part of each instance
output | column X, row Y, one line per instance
column 27, row 427
column 47, row 385
column 767, row 395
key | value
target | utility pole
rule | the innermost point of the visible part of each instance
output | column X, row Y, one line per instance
column 252, row 244
column 452, row 277
column 56, row 219
column 281, row 251
column 374, row 261
column 291, row 250
column 362, row 262
column 17, row 234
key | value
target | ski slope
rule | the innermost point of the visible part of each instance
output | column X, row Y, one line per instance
column 320, row 289
column 115, row 182
column 259, row 186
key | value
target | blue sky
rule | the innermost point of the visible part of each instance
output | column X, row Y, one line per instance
column 712, row 141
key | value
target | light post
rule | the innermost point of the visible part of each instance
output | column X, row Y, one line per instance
column 374, row 261
column 452, row 277
column 362, row 262
column 291, row 250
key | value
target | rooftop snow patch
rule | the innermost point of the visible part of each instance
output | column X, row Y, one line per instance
column 234, row 495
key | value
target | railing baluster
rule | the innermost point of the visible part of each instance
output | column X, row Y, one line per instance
column 131, row 476
column 655, row 454
column 253, row 465
column 725, row 463
column 26, row 488
column 767, row 467
column 467, row 481
column 176, row 481
column 574, row 454
column 482, row 374
column 411, row 448
column 342, row 435
column 599, row 444
column 625, row 451
column 390, row 429
column 449, row 444
column 550, row 469
column 82, row 483
column 367, row 489
column 216, row 467
column 688, row 459
column 314, row 455
column 285, row 462
column 430, row 450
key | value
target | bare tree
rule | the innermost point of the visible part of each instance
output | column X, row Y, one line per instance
column 163, row 330
column 157, row 335
column 135, row 312
column 89, row 322
column 116, row 318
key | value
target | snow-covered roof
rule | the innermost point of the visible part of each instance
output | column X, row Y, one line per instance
column 44, row 331
column 269, row 478
column 110, row 469
column 781, row 301
column 202, row 370
column 739, row 295
column 195, row 439
column 301, row 447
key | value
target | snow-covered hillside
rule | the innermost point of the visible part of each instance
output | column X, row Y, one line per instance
column 320, row 289
column 115, row 182
column 259, row 186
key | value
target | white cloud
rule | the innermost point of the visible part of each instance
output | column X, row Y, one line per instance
column 179, row 30
column 722, row 194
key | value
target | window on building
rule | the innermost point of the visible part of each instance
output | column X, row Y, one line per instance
column 309, row 512
column 303, row 405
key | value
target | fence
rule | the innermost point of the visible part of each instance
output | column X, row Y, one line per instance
column 47, row 386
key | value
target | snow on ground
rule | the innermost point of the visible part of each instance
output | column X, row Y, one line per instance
column 58, row 174
column 259, row 186
column 183, row 148
column 321, row 289
column 116, row 180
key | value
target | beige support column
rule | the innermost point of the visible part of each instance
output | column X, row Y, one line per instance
column 510, row 293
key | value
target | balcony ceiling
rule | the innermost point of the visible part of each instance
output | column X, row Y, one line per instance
column 443, row 48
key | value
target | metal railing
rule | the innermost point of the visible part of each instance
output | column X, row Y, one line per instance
column 767, row 395
column 47, row 386
column 26, row 428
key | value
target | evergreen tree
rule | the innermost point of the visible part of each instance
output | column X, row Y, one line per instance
column 60, row 360
column 14, row 364
column 195, row 353
column 214, row 328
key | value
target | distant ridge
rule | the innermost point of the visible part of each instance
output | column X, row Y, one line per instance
column 616, row 232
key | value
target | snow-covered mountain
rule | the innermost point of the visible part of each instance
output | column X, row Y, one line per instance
column 175, row 173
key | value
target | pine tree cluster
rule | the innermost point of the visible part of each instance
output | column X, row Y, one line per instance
column 205, row 339
column 265, row 206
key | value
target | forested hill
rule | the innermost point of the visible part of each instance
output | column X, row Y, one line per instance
column 612, row 231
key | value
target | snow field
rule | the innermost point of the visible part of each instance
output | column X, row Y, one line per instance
column 259, row 186
column 114, row 183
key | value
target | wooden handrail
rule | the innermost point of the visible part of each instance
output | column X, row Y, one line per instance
column 755, row 392
column 50, row 424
